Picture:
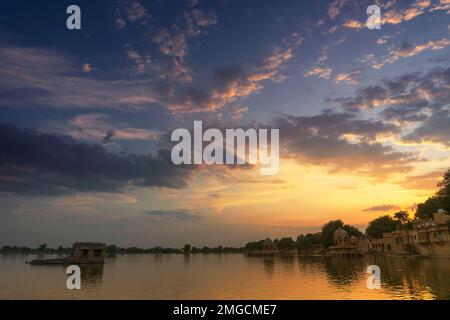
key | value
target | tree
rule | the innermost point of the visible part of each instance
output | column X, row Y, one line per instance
column 306, row 242
column 425, row 210
column 441, row 200
column 286, row 244
column 402, row 217
column 444, row 186
column 328, row 230
column 352, row 231
column 187, row 248
column 42, row 247
column 380, row 225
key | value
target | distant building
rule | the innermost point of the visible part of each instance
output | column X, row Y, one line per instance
column 82, row 253
column 345, row 245
column 87, row 252
column 431, row 237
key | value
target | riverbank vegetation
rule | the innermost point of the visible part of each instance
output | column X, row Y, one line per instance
column 113, row 250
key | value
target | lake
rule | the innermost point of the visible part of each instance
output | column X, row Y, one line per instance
column 228, row 276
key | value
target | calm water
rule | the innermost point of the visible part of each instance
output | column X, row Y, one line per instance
column 229, row 276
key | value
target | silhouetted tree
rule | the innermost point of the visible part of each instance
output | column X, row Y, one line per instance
column 401, row 217
column 306, row 242
column 441, row 200
column 286, row 244
column 328, row 230
column 380, row 225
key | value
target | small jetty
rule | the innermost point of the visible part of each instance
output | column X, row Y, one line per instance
column 82, row 253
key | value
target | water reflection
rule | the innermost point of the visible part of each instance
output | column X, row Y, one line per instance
column 269, row 265
column 344, row 271
column 403, row 277
column 91, row 274
column 229, row 276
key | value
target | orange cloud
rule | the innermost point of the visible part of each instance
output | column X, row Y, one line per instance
column 320, row 72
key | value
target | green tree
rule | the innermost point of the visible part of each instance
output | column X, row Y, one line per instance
column 42, row 247
column 380, row 225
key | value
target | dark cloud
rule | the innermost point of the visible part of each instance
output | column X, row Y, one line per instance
column 408, row 98
column 343, row 142
column 231, row 83
column 108, row 136
column 222, row 77
column 383, row 208
column 436, row 129
column 32, row 162
column 179, row 214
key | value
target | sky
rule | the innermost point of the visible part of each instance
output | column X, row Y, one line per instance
column 86, row 117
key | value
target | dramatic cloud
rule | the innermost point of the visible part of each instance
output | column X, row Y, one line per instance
column 232, row 83
column 410, row 97
column 173, row 41
column 407, row 50
column 35, row 163
column 382, row 208
column 342, row 142
column 435, row 129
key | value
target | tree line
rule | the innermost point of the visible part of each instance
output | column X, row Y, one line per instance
column 113, row 250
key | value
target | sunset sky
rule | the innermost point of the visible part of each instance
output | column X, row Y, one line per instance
column 86, row 117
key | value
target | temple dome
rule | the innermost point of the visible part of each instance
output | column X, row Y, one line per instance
column 340, row 233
